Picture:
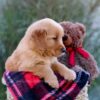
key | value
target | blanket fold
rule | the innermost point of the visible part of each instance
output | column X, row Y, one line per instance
column 26, row 86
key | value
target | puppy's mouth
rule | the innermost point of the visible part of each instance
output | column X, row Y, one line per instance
column 58, row 52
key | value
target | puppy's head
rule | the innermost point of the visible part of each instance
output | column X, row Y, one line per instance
column 74, row 34
column 46, row 37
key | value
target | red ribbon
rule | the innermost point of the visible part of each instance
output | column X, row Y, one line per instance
column 72, row 52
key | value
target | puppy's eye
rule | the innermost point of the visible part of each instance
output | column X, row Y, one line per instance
column 54, row 38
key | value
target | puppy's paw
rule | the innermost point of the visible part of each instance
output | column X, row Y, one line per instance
column 71, row 75
column 11, row 68
column 53, row 82
column 23, row 69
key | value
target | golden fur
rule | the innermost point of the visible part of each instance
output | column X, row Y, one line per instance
column 38, row 50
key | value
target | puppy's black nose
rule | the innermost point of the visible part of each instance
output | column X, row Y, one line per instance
column 63, row 49
column 65, row 37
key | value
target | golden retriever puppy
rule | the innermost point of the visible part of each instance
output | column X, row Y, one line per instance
column 38, row 50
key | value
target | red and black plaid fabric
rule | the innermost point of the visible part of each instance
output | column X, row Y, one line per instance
column 26, row 86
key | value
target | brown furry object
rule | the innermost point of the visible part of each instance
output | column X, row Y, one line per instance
column 38, row 50
column 73, row 39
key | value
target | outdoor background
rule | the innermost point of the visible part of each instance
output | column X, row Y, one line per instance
column 17, row 15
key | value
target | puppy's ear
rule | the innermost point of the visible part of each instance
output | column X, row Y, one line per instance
column 82, row 28
column 39, row 37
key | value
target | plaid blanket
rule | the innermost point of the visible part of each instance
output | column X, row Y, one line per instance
column 26, row 86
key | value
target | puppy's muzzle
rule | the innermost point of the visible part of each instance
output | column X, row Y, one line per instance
column 63, row 49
